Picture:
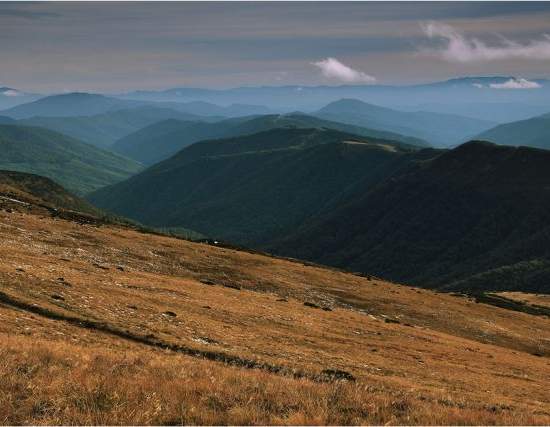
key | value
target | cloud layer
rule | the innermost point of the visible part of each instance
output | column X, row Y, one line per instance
column 459, row 48
column 335, row 70
column 516, row 84
column 11, row 92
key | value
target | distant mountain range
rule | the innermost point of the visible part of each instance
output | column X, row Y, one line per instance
column 484, row 98
column 201, row 108
column 69, row 105
column 115, row 126
column 440, row 130
column 161, row 140
column 77, row 166
column 89, row 104
column 102, row 130
column 442, row 113
column 475, row 97
column 533, row 132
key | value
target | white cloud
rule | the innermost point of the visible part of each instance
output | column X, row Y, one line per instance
column 11, row 92
column 459, row 48
column 478, row 85
column 334, row 69
column 515, row 84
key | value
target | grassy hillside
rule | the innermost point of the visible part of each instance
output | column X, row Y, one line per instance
column 29, row 188
column 474, row 218
column 78, row 167
column 440, row 130
column 534, row 132
column 162, row 140
column 102, row 130
column 105, row 325
column 251, row 188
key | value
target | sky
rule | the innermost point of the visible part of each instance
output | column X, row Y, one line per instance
column 117, row 47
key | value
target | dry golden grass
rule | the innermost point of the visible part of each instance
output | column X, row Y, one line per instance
column 419, row 357
column 45, row 383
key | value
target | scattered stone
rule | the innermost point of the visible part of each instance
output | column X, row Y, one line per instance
column 102, row 266
column 282, row 300
column 336, row 374
column 207, row 307
column 132, row 307
column 120, row 267
column 66, row 284
column 20, row 269
column 58, row 297
column 207, row 282
column 60, row 279
column 205, row 340
column 169, row 314
column 327, row 308
column 388, row 320
column 311, row 304
column 231, row 286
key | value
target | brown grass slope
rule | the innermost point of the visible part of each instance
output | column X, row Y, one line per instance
column 105, row 325
column 38, row 190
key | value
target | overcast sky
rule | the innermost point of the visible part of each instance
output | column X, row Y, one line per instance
column 110, row 47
